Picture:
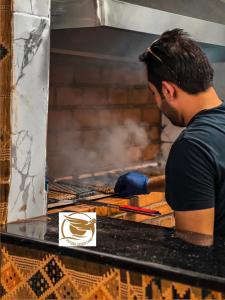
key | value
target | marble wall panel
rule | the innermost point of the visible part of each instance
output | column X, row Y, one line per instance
column 29, row 116
column 33, row 7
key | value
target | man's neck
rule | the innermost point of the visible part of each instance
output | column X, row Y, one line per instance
column 193, row 104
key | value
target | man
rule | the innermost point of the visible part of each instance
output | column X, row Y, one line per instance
column 180, row 78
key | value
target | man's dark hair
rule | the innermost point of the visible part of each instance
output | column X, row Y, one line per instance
column 176, row 58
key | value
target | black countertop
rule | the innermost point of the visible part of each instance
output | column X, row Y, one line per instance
column 134, row 246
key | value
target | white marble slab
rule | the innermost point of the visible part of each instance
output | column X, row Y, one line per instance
column 29, row 117
column 36, row 230
column 169, row 131
column 33, row 7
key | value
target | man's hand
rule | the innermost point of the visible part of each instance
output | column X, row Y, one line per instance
column 132, row 183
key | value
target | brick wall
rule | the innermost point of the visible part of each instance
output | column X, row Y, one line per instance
column 88, row 99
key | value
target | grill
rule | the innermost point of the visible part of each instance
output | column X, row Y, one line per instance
column 99, row 186
column 102, row 124
column 89, row 184
column 69, row 189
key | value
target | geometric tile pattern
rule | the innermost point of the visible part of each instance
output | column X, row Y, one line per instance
column 11, row 278
column 3, row 51
column 5, row 104
column 38, row 284
column 2, row 291
column 67, row 291
column 41, row 275
column 53, row 271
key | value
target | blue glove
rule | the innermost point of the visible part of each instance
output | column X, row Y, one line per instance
column 132, row 183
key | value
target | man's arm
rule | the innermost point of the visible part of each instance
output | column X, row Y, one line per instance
column 196, row 226
column 156, row 184
column 135, row 183
column 190, row 187
column 199, row 221
column 193, row 226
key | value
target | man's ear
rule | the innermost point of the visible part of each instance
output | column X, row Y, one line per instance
column 168, row 90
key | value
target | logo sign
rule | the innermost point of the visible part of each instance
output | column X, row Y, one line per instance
column 77, row 229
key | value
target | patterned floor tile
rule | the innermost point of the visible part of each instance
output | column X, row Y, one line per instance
column 10, row 277
column 68, row 291
column 38, row 284
column 53, row 271
column 2, row 291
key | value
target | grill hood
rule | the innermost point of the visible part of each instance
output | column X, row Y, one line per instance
column 123, row 29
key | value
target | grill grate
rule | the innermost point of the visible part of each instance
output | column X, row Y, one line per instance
column 62, row 191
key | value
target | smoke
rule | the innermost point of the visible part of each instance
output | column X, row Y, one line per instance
column 111, row 148
column 84, row 147
column 123, row 144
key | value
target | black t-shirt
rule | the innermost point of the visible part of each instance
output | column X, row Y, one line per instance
column 195, row 170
